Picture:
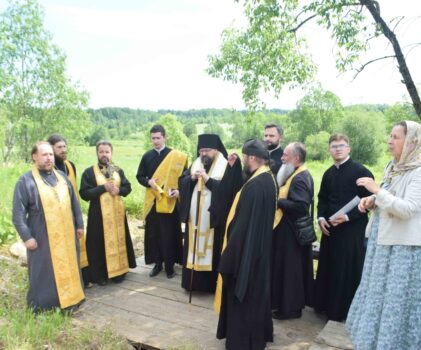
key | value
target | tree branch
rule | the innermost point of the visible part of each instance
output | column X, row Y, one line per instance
column 374, row 9
column 301, row 24
column 369, row 62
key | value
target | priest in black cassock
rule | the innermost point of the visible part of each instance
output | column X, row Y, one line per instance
column 342, row 250
column 243, row 291
column 108, row 242
column 221, row 177
column 48, row 218
column 158, row 171
column 273, row 137
column 292, row 263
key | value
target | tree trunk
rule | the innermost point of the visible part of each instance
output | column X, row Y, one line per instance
column 373, row 7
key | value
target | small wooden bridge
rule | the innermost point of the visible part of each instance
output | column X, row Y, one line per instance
column 153, row 313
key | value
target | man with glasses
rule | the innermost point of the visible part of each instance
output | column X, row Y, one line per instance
column 342, row 250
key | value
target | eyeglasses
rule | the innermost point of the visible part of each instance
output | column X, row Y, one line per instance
column 340, row 146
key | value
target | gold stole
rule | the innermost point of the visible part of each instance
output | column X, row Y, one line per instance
column 283, row 193
column 113, row 219
column 61, row 233
column 167, row 174
column 205, row 234
column 218, row 291
column 72, row 178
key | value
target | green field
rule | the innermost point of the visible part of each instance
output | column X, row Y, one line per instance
column 127, row 155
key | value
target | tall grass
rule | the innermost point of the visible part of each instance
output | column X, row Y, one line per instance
column 22, row 329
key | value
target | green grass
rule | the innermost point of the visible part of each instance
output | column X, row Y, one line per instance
column 21, row 329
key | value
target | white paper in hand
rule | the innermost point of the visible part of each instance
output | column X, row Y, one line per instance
column 347, row 207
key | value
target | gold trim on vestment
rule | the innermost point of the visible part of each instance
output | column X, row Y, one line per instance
column 72, row 178
column 219, row 283
column 205, row 234
column 283, row 193
column 57, row 208
column 167, row 174
column 113, row 219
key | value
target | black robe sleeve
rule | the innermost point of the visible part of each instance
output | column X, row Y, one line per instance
column 223, row 193
column 125, row 186
column 299, row 197
column 355, row 214
column 185, row 187
column 142, row 176
column 323, row 198
column 88, row 187
column 20, row 210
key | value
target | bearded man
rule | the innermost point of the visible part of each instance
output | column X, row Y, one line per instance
column 292, row 263
column 217, row 177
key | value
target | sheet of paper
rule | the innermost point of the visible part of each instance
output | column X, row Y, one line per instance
column 347, row 207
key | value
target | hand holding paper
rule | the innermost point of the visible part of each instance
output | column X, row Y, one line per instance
column 346, row 208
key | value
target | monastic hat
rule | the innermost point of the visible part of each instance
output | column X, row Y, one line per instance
column 211, row 141
column 256, row 148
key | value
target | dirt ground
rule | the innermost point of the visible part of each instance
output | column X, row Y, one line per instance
column 137, row 233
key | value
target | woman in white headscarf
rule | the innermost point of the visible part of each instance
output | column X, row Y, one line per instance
column 386, row 310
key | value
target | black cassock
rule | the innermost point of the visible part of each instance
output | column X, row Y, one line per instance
column 245, row 319
column 342, row 253
column 95, row 244
column 292, row 264
column 275, row 159
column 163, row 240
column 223, row 193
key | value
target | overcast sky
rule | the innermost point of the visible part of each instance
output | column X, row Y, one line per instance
column 152, row 54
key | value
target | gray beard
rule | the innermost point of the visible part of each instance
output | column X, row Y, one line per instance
column 284, row 173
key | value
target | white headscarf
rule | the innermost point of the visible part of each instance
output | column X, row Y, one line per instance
column 411, row 153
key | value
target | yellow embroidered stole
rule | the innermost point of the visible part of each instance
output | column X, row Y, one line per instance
column 218, row 291
column 205, row 234
column 113, row 220
column 167, row 174
column 283, row 193
column 72, row 178
column 58, row 214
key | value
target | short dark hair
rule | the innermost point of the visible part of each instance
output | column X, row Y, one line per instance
column 54, row 138
column 299, row 150
column 276, row 126
column 158, row 128
column 37, row 144
column 103, row 143
column 338, row 137
column 402, row 124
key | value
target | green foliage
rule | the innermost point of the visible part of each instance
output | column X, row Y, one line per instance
column 399, row 112
column 317, row 145
column 265, row 56
column 366, row 133
column 269, row 53
column 36, row 97
column 317, row 111
column 215, row 128
column 175, row 137
column 22, row 329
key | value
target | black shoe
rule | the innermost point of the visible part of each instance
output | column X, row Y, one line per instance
column 102, row 283
column 291, row 315
column 156, row 270
column 118, row 279
column 171, row 274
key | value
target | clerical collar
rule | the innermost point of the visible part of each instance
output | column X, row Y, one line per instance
column 343, row 162
column 271, row 150
column 160, row 150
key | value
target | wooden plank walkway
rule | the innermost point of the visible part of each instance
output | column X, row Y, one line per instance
column 154, row 313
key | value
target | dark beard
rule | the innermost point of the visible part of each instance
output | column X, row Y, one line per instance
column 271, row 147
column 246, row 174
column 207, row 160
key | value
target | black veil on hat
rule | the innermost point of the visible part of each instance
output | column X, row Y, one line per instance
column 211, row 141
column 256, row 148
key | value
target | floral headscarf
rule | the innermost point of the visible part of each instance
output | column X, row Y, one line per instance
column 411, row 153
